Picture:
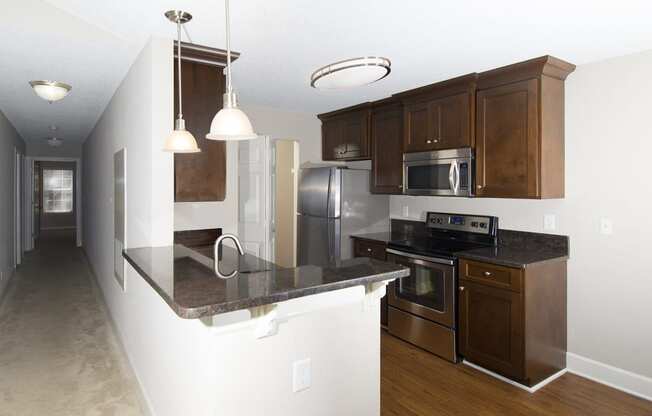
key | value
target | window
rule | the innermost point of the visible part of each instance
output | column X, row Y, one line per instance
column 57, row 191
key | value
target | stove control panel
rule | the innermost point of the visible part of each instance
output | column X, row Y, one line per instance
column 459, row 222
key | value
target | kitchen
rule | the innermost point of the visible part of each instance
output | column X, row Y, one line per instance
column 437, row 227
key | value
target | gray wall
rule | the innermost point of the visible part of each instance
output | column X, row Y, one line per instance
column 9, row 140
column 43, row 149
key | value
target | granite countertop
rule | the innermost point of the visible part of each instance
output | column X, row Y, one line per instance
column 383, row 237
column 184, row 278
column 520, row 249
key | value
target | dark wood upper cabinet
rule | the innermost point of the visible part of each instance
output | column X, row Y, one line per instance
column 440, row 116
column 346, row 133
column 520, row 130
column 200, row 176
column 387, row 148
column 513, row 321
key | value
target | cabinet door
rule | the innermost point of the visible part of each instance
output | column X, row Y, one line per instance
column 356, row 135
column 491, row 328
column 418, row 127
column 507, row 141
column 454, row 118
column 387, row 152
column 332, row 147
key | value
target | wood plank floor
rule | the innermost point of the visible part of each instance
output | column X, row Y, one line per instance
column 416, row 383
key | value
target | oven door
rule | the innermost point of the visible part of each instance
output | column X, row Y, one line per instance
column 437, row 176
column 429, row 290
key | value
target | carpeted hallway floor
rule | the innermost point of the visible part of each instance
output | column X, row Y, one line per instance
column 58, row 353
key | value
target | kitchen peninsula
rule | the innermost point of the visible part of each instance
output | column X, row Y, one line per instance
column 302, row 340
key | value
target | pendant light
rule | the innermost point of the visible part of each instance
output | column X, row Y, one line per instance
column 230, row 123
column 180, row 140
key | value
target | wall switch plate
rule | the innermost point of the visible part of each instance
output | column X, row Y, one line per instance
column 550, row 222
column 406, row 211
column 301, row 375
column 606, row 226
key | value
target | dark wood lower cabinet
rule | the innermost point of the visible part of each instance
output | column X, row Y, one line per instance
column 374, row 250
column 513, row 321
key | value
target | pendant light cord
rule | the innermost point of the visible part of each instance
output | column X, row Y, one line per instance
column 179, row 66
column 228, row 49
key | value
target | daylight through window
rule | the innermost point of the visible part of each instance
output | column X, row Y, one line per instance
column 57, row 191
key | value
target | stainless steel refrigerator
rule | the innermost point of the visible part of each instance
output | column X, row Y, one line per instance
column 334, row 203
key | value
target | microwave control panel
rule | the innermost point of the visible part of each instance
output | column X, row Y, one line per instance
column 458, row 222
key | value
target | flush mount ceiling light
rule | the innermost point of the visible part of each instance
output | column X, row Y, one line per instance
column 180, row 140
column 351, row 73
column 50, row 91
column 230, row 123
column 54, row 142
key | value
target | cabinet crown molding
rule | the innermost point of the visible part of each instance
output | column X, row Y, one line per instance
column 440, row 89
column 191, row 52
column 533, row 68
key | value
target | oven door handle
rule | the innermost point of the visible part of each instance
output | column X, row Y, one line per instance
column 418, row 257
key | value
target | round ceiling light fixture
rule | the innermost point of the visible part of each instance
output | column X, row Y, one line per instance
column 351, row 73
column 54, row 142
column 50, row 91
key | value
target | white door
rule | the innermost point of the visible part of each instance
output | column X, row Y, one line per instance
column 255, row 176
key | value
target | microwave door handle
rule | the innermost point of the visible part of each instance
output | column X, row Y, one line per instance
column 456, row 175
column 451, row 177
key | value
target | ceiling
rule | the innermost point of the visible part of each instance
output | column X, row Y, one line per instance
column 91, row 44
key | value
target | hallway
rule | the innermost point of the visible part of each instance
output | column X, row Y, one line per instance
column 58, row 352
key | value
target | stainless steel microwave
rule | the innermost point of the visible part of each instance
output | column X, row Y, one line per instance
column 442, row 173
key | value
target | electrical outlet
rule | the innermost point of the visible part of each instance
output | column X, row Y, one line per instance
column 406, row 211
column 606, row 226
column 301, row 375
column 550, row 222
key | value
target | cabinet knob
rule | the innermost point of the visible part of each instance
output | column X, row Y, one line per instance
column 487, row 274
column 436, row 140
column 369, row 250
column 400, row 187
column 461, row 288
column 428, row 141
column 479, row 186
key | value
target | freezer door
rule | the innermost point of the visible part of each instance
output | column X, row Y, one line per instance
column 318, row 241
column 319, row 192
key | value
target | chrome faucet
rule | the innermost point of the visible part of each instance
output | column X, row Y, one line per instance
column 218, row 243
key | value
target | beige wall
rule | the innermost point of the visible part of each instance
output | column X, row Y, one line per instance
column 608, row 147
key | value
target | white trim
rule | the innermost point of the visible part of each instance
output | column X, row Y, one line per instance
column 617, row 378
column 514, row 383
column 28, row 209
column 78, row 190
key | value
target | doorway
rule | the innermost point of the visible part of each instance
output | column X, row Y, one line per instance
column 53, row 200
column 286, row 169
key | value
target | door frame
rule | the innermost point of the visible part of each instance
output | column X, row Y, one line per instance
column 29, row 197
column 17, row 208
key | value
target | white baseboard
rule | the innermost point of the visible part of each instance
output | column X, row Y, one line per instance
column 632, row 383
column 514, row 383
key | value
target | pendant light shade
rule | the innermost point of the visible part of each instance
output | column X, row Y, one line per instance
column 180, row 140
column 230, row 123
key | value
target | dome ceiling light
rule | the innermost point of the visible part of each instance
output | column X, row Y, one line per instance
column 230, row 123
column 50, row 91
column 54, row 142
column 351, row 73
column 180, row 140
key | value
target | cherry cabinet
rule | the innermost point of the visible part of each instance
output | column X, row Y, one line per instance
column 520, row 130
column 440, row 116
column 387, row 148
column 346, row 134
column 512, row 321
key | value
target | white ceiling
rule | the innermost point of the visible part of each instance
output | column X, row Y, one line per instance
column 91, row 44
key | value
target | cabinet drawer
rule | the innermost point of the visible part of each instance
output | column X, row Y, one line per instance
column 492, row 275
column 365, row 248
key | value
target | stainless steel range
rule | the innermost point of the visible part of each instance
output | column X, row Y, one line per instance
column 423, row 306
